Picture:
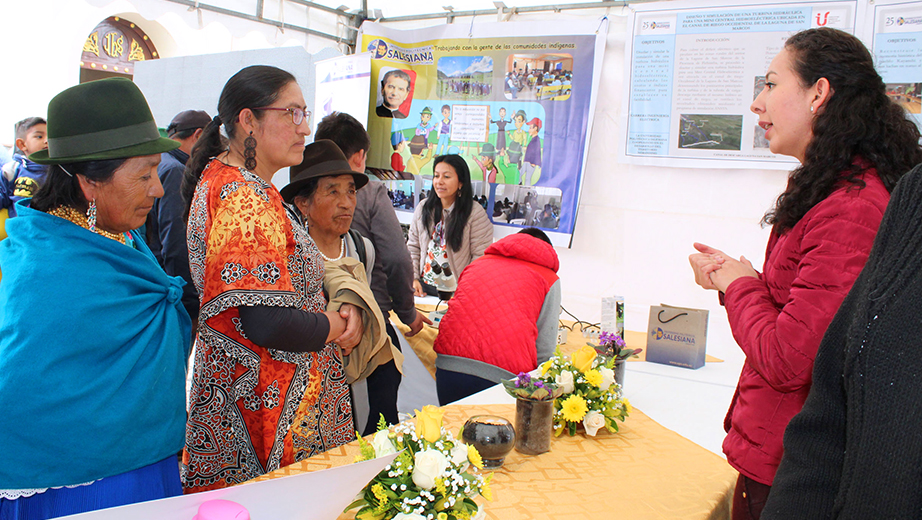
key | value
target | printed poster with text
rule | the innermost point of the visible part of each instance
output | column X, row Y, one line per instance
column 515, row 105
column 693, row 71
column 897, row 46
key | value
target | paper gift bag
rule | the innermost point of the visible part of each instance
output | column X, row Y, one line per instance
column 677, row 336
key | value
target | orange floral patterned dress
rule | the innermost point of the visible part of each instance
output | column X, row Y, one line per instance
column 253, row 410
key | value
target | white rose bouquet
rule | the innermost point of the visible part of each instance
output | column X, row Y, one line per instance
column 590, row 395
column 434, row 478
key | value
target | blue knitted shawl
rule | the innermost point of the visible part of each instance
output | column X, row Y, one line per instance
column 93, row 345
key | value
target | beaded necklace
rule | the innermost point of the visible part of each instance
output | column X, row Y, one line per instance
column 72, row 215
column 342, row 251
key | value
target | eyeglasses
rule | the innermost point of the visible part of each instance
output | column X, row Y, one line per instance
column 297, row 115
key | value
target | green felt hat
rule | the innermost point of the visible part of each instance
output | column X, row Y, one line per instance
column 426, row 110
column 99, row 120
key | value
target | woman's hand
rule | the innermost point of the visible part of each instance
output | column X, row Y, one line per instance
column 705, row 262
column 731, row 270
column 418, row 289
column 354, row 328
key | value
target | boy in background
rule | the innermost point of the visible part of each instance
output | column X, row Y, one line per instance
column 21, row 177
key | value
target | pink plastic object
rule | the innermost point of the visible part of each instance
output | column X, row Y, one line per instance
column 221, row 510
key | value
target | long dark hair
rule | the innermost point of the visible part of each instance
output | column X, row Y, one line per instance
column 62, row 189
column 858, row 120
column 464, row 203
column 251, row 87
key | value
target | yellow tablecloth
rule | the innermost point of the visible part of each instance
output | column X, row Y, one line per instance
column 423, row 341
column 643, row 472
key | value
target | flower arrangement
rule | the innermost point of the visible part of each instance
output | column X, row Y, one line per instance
column 611, row 344
column 434, row 477
column 524, row 386
column 590, row 395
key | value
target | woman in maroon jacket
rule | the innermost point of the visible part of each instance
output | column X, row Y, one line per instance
column 824, row 104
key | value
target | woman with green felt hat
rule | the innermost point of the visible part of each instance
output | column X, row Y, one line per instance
column 93, row 334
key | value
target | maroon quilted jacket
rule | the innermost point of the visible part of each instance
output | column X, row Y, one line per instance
column 779, row 319
column 493, row 315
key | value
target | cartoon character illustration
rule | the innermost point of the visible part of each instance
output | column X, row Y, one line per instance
column 444, row 130
column 501, row 130
column 399, row 143
column 519, row 139
column 424, row 126
column 531, row 171
column 421, row 154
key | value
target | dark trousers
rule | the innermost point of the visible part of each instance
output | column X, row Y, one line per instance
column 452, row 386
column 749, row 499
column 383, row 384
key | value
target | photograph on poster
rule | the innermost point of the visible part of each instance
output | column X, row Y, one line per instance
column 907, row 95
column 396, row 93
column 401, row 194
column 710, row 131
column 465, row 77
column 526, row 206
column 538, row 76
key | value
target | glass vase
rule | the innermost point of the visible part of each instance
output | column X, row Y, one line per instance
column 620, row 369
column 533, row 426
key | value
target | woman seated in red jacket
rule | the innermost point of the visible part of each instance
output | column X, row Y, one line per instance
column 825, row 105
column 484, row 339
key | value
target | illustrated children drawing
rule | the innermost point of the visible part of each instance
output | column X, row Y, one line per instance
column 399, row 143
column 501, row 131
column 531, row 171
column 444, row 130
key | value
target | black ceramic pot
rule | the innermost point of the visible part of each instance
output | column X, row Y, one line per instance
column 494, row 438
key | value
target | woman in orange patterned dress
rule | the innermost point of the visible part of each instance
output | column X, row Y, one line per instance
column 268, row 385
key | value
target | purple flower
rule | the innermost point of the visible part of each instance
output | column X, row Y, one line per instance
column 538, row 383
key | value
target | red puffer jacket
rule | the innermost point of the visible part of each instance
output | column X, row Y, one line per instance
column 779, row 319
column 493, row 315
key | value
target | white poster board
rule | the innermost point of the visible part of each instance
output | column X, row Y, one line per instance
column 342, row 85
column 318, row 495
column 897, row 47
column 693, row 70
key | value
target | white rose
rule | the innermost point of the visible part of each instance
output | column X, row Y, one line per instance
column 608, row 377
column 382, row 444
column 592, row 421
column 427, row 466
column 565, row 381
column 459, row 454
column 480, row 514
column 408, row 516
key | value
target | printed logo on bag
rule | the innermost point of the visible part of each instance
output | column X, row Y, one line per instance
column 679, row 337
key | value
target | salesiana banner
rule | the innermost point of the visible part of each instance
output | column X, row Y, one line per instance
column 515, row 100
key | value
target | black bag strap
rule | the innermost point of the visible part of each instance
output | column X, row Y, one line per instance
column 359, row 241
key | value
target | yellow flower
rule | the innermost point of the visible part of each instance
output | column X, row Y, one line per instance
column 442, row 516
column 485, row 491
column 545, row 367
column 429, row 423
column 474, row 456
column 574, row 408
column 440, row 486
column 582, row 358
column 594, row 377
column 627, row 407
column 381, row 496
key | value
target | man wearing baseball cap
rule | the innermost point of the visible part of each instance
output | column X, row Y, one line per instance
column 166, row 232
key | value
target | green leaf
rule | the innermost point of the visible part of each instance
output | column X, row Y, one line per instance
column 368, row 513
column 357, row 503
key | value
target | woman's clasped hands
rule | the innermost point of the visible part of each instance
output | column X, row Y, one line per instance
column 716, row 270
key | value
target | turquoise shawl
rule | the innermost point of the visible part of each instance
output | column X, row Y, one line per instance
column 93, row 345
